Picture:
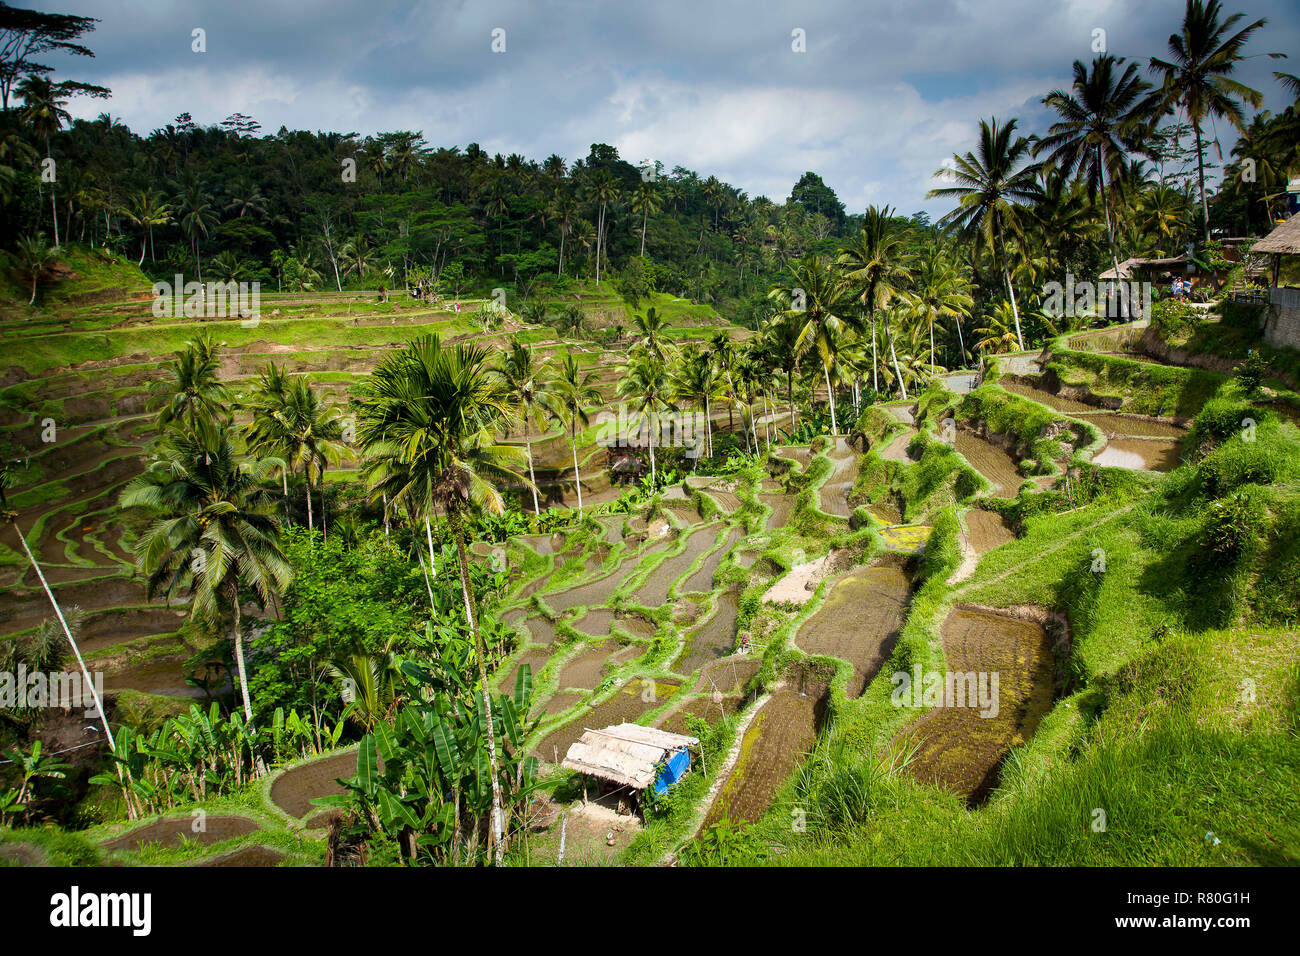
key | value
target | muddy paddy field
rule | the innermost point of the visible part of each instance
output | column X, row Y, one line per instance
column 960, row 747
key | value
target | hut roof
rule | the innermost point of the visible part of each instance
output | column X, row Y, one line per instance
column 625, row 753
column 1129, row 266
column 1285, row 239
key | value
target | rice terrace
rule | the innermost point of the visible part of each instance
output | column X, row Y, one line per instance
column 412, row 504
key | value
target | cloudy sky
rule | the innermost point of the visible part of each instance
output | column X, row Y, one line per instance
column 882, row 93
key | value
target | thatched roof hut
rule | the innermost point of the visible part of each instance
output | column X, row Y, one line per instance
column 1146, row 267
column 1284, row 240
column 632, row 756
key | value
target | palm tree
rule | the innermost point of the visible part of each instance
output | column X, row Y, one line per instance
column 780, row 336
column 877, row 263
column 603, row 190
column 35, row 255
column 146, row 210
column 997, row 335
column 825, row 299
column 651, row 329
column 197, row 217
column 1102, row 120
column 645, row 382
column 192, row 391
column 357, row 256
column 211, row 533
column 696, row 380
column 993, row 187
column 1197, row 76
column 563, row 214
column 315, row 435
column 939, row 291
column 431, row 411
column 723, row 355
column 43, row 109
column 526, row 381
column 570, row 394
column 645, row 201
column 268, row 433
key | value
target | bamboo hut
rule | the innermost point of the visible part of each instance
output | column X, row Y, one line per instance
column 1282, row 323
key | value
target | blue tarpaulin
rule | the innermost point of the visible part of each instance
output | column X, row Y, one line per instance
column 675, row 767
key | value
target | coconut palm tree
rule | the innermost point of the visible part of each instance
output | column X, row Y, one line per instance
column 570, row 394
column 210, row 533
column 645, row 382
column 1103, row 118
column 35, row 255
column 817, row 297
column 43, row 110
column 146, row 210
column 315, row 436
column 526, row 381
column 192, row 390
column 1197, row 77
column 939, row 292
column 196, row 216
column 651, row 330
column 432, row 411
column 602, row 190
column 696, row 380
column 723, row 354
column 564, row 212
column 877, row 263
column 780, row 334
column 645, row 201
column 268, row 433
column 993, row 185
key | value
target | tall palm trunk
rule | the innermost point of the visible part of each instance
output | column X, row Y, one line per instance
column 498, row 836
column 577, row 477
column 893, row 354
column 644, row 219
column 652, row 451
column 1200, row 177
column 1001, row 253
column 875, row 379
column 1110, row 236
column 830, row 397
column 961, row 341
column 239, row 661
column 537, row 508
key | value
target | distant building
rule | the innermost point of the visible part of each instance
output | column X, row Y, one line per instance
column 1282, row 323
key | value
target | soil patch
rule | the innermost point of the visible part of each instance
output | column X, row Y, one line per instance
column 248, row 856
column 627, row 705
column 986, row 530
column 960, row 750
column 990, row 461
column 293, row 790
column 714, row 639
column 175, row 831
column 860, row 622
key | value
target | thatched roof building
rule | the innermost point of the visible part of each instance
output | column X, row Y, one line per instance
column 632, row 756
column 1136, row 266
column 1284, row 240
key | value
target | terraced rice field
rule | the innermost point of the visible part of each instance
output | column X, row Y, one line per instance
column 628, row 704
column 702, row 579
column 990, row 461
column 959, row 748
column 712, row 639
column 859, row 621
column 175, row 831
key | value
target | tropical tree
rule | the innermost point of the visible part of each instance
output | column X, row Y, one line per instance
column 570, row 394
column 602, row 190
column 651, row 329
column 432, row 412
column 1197, row 77
column 192, row 390
column 43, row 110
column 526, row 381
column 940, row 292
column 993, row 186
column 645, row 201
column 146, row 210
column 210, row 534
column 35, row 255
column 1103, row 118
column 695, row 379
column 817, row 297
column 645, row 382
column 877, row 263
